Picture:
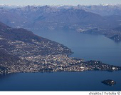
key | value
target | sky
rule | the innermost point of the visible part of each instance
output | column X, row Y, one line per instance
column 58, row 2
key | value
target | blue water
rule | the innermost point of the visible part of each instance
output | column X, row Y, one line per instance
column 96, row 47
column 60, row 81
column 86, row 46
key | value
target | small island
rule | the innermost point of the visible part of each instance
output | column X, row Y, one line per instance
column 109, row 82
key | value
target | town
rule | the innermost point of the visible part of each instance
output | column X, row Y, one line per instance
column 57, row 63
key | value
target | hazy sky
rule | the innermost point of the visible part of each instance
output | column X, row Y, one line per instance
column 58, row 2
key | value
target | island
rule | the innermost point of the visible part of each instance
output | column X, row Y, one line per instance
column 109, row 82
column 23, row 51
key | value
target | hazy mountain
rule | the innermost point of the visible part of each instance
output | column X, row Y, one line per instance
column 53, row 18
column 104, row 10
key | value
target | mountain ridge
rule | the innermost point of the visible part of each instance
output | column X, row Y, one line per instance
column 52, row 18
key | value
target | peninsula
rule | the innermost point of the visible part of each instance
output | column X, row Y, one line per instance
column 23, row 51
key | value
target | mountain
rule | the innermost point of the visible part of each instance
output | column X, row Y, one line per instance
column 66, row 18
column 53, row 18
column 103, row 18
column 103, row 10
column 25, row 41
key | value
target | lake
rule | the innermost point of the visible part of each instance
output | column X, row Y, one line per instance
column 85, row 46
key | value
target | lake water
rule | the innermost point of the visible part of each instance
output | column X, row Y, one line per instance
column 60, row 81
column 88, row 47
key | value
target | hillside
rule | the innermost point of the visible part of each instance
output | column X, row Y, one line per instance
column 24, row 43
column 18, row 44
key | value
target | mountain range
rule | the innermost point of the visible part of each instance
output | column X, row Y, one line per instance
column 53, row 18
